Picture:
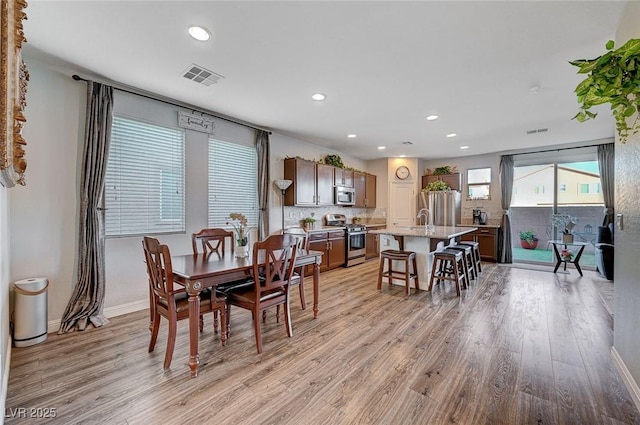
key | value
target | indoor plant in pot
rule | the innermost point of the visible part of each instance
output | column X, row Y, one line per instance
column 308, row 223
column 612, row 78
column 528, row 239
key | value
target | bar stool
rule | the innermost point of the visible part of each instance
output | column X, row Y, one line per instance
column 476, row 253
column 447, row 263
column 408, row 257
column 469, row 259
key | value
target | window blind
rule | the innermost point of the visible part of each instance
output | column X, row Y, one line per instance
column 233, row 182
column 144, row 188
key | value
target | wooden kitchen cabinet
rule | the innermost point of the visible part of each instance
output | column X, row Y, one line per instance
column 365, row 187
column 487, row 237
column 372, row 245
column 312, row 183
column 454, row 180
column 343, row 177
column 332, row 244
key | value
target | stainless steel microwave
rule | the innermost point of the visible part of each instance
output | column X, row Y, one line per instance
column 344, row 196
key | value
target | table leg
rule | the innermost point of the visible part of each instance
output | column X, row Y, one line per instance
column 558, row 258
column 316, row 285
column 194, row 316
column 576, row 261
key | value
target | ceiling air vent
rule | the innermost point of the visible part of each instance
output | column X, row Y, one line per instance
column 201, row 75
column 540, row 130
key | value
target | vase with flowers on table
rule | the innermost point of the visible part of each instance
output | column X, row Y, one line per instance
column 241, row 229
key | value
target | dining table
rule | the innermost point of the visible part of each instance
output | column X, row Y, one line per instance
column 197, row 272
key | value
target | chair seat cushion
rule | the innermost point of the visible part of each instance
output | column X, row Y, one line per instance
column 236, row 285
column 182, row 300
column 249, row 295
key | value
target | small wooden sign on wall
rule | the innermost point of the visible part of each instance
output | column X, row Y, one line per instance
column 197, row 122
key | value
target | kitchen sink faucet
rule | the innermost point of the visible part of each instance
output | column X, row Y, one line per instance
column 424, row 212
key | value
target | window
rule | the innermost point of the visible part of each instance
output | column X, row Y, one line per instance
column 479, row 183
column 589, row 188
column 538, row 190
column 233, row 182
column 144, row 186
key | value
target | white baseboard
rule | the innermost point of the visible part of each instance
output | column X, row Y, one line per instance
column 119, row 310
column 629, row 382
column 5, row 379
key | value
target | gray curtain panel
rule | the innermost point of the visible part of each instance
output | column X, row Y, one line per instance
column 262, row 148
column 506, row 189
column 87, row 301
column 607, row 163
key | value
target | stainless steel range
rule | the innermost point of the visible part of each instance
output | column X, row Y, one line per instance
column 355, row 238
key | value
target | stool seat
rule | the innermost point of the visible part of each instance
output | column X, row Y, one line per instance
column 476, row 253
column 410, row 268
column 448, row 264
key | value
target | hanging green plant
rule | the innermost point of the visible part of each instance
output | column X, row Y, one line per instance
column 612, row 78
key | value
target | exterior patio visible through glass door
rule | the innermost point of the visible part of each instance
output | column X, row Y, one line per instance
column 548, row 196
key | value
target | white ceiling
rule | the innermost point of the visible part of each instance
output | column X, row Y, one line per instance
column 384, row 66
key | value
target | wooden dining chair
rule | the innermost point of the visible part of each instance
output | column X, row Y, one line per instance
column 172, row 302
column 212, row 240
column 302, row 242
column 273, row 261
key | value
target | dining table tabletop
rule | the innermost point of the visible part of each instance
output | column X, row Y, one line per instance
column 197, row 272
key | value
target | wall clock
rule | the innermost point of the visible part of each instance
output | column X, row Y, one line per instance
column 402, row 172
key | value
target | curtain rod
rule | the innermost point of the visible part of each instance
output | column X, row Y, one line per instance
column 142, row 93
column 561, row 149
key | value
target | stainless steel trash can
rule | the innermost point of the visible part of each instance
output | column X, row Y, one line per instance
column 30, row 311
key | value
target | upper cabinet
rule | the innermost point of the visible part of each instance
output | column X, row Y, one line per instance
column 312, row 183
column 365, row 186
column 343, row 177
column 453, row 180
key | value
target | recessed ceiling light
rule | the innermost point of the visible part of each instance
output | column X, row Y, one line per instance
column 402, row 156
column 199, row 33
column 464, row 147
column 450, row 135
column 432, row 117
column 352, row 136
column 318, row 96
column 382, row 147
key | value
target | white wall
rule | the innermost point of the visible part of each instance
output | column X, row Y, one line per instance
column 626, row 337
column 43, row 214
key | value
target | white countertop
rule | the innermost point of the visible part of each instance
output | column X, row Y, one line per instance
column 438, row 232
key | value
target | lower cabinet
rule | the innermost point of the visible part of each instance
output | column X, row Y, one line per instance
column 372, row 246
column 332, row 244
column 487, row 237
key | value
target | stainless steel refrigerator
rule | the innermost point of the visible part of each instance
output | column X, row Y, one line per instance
column 443, row 206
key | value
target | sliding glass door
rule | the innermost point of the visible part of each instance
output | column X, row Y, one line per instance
column 567, row 191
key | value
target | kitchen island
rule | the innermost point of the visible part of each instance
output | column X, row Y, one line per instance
column 418, row 240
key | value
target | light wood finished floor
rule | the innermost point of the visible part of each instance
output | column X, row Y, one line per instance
column 518, row 347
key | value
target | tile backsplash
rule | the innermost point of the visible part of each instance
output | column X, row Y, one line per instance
column 293, row 215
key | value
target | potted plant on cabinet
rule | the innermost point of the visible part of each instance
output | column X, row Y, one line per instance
column 436, row 186
column 528, row 239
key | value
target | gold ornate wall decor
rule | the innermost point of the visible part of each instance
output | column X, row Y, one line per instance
column 13, row 88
